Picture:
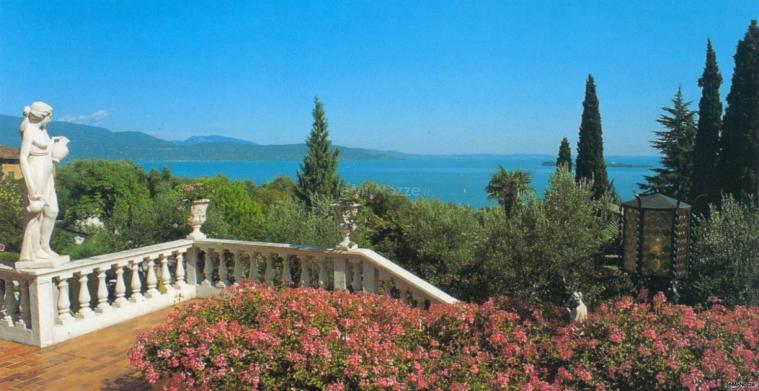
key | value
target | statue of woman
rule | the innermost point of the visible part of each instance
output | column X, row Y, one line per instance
column 39, row 153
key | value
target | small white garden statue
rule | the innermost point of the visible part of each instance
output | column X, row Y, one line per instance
column 38, row 156
column 580, row 312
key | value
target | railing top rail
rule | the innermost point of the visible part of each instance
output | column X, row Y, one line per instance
column 288, row 248
column 377, row 260
column 88, row 263
column 406, row 276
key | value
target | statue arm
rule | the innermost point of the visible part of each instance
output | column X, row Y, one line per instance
column 26, row 147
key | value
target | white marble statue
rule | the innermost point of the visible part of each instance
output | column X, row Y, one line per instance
column 39, row 153
column 580, row 312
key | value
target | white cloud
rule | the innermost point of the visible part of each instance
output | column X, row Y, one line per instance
column 95, row 118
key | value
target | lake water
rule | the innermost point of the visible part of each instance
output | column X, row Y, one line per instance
column 457, row 180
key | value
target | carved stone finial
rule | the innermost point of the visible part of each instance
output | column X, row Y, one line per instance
column 38, row 155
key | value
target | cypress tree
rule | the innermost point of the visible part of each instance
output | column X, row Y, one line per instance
column 317, row 176
column 675, row 143
column 739, row 158
column 565, row 155
column 705, row 179
column 590, row 150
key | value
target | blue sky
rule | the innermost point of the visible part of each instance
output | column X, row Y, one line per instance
column 427, row 77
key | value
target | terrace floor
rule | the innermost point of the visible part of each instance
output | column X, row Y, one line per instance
column 95, row 361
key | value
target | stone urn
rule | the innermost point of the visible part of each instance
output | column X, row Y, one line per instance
column 197, row 218
column 60, row 149
column 345, row 216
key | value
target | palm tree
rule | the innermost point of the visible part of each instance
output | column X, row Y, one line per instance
column 508, row 188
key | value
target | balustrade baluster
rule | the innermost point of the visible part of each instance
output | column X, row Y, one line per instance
column 179, row 271
column 207, row 268
column 370, row 281
column 151, row 280
column 356, row 274
column 223, row 270
column 25, row 315
column 120, row 289
column 418, row 298
column 237, row 270
column 269, row 272
column 253, row 273
column 323, row 274
column 305, row 272
column 84, row 298
column 165, row 273
column 103, row 305
column 287, row 278
column 381, row 284
column 340, row 282
column 404, row 295
column 135, row 295
column 387, row 283
column 64, row 304
column 9, row 306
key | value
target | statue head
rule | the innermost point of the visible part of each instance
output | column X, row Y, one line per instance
column 38, row 113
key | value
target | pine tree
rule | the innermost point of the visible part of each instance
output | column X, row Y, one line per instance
column 739, row 157
column 705, row 178
column 590, row 150
column 675, row 143
column 317, row 176
column 565, row 155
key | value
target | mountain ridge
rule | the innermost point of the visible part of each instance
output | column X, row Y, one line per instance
column 210, row 139
column 98, row 142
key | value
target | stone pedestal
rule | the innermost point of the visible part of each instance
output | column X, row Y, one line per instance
column 42, row 263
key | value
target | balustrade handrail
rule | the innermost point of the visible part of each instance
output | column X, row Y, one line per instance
column 404, row 276
column 89, row 263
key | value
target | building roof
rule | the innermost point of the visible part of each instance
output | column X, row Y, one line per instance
column 8, row 153
column 655, row 201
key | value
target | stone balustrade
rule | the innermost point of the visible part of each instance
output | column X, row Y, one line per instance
column 225, row 262
column 46, row 306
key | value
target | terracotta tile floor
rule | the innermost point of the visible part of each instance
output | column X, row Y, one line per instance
column 95, row 361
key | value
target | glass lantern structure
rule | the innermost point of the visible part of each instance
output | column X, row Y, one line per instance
column 655, row 235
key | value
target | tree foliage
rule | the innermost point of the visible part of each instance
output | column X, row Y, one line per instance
column 739, row 161
column 590, row 163
column 508, row 188
column 318, row 176
column 675, row 143
column 11, row 212
column 565, row 155
column 725, row 261
column 551, row 248
column 704, row 177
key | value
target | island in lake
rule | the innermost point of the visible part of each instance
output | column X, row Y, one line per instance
column 611, row 165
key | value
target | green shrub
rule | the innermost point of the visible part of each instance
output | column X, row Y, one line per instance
column 725, row 257
column 11, row 212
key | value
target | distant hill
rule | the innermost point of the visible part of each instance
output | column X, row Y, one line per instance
column 96, row 142
column 212, row 139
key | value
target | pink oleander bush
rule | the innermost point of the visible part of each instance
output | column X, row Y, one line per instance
column 255, row 337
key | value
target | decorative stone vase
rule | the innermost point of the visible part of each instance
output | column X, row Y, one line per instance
column 345, row 216
column 197, row 218
column 60, row 149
